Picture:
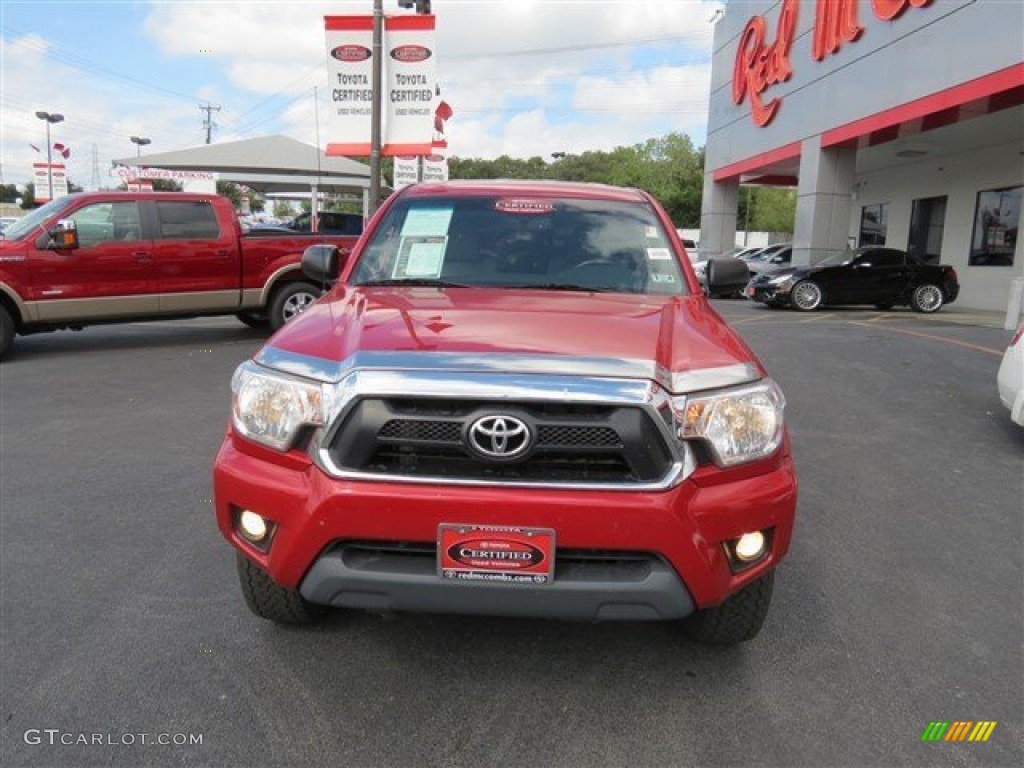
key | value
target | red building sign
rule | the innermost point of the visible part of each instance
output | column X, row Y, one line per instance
column 761, row 64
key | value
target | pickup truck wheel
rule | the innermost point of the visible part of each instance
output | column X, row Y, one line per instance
column 736, row 620
column 254, row 319
column 269, row 600
column 6, row 331
column 806, row 296
column 927, row 298
column 290, row 301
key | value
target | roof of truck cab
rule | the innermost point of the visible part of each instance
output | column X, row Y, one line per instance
column 487, row 187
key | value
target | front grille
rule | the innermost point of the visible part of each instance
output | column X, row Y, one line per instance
column 426, row 438
column 420, row 558
column 421, row 431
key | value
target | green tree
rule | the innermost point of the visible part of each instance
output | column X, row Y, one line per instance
column 282, row 210
column 28, row 200
column 231, row 191
column 774, row 209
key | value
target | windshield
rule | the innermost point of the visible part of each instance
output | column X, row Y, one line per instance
column 841, row 259
column 522, row 242
column 29, row 223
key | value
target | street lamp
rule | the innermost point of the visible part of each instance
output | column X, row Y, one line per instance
column 139, row 143
column 49, row 118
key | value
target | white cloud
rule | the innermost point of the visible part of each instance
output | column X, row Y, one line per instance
column 525, row 77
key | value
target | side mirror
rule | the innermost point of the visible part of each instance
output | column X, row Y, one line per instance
column 726, row 276
column 321, row 264
column 64, row 236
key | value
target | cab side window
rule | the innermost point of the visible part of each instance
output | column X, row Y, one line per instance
column 187, row 220
column 107, row 222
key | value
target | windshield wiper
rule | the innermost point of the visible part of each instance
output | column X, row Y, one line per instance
column 430, row 282
column 560, row 287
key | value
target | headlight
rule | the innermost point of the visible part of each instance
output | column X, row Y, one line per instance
column 270, row 408
column 741, row 425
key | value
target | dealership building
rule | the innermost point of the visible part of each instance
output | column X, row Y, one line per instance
column 899, row 122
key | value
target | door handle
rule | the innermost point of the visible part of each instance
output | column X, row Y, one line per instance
column 224, row 254
column 143, row 257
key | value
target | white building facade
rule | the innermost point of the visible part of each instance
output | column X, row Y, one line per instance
column 900, row 122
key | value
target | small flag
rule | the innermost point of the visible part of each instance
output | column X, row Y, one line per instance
column 443, row 113
column 63, row 150
column 35, row 147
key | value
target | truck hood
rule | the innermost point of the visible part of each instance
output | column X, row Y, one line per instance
column 672, row 339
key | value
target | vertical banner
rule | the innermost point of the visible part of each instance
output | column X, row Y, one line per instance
column 42, row 181
column 411, row 85
column 435, row 165
column 350, row 77
column 407, row 171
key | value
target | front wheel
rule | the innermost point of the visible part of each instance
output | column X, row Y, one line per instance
column 927, row 298
column 290, row 301
column 6, row 331
column 736, row 620
column 806, row 296
column 269, row 600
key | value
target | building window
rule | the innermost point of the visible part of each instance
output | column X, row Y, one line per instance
column 927, row 221
column 996, row 222
column 874, row 222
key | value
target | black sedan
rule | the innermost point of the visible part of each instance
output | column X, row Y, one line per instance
column 884, row 277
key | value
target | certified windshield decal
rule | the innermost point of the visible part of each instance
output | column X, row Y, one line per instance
column 525, row 206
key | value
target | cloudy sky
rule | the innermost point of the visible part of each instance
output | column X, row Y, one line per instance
column 525, row 77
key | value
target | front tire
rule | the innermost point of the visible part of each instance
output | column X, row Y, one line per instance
column 927, row 298
column 290, row 301
column 806, row 296
column 736, row 620
column 7, row 331
column 269, row 600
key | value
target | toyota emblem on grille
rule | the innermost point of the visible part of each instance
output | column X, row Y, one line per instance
column 499, row 437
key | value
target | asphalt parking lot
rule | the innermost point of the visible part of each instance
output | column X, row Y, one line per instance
column 900, row 604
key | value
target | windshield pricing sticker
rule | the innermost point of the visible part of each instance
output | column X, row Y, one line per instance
column 523, row 206
column 496, row 553
column 427, row 222
column 660, row 278
column 659, row 254
column 651, row 233
column 420, row 257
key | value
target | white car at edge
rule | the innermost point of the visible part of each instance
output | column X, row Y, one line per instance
column 1011, row 377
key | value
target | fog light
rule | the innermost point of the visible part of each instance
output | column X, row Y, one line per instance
column 252, row 526
column 749, row 546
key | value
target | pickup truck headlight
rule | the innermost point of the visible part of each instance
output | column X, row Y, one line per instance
column 742, row 424
column 271, row 408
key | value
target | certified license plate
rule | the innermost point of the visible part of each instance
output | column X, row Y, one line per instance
column 496, row 553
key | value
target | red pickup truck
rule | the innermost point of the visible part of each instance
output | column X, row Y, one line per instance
column 115, row 256
column 515, row 401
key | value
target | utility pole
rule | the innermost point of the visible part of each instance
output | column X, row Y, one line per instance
column 376, row 105
column 94, row 182
column 208, row 121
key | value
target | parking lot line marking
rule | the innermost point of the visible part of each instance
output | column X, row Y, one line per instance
column 956, row 342
column 875, row 319
column 817, row 317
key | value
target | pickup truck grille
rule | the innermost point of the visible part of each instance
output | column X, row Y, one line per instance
column 427, row 438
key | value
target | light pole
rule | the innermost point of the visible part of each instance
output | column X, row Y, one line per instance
column 49, row 118
column 139, row 143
